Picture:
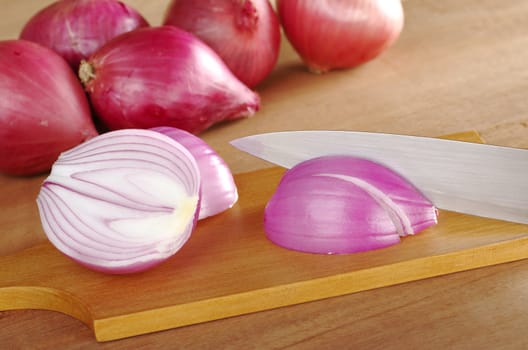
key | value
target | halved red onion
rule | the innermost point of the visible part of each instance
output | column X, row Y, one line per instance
column 219, row 191
column 163, row 76
column 43, row 109
column 121, row 202
column 245, row 34
column 343, row 204
column 77, row 28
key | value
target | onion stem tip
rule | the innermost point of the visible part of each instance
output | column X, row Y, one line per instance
column 86, row 72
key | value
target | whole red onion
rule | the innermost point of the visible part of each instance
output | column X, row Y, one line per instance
column 333, row 34
column 245, row 33
column 76, row 28
column 43, row 109
column 163, row 76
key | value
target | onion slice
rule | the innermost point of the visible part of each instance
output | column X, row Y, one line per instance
column 343, row 204
column 121, row 202
column 219, row 191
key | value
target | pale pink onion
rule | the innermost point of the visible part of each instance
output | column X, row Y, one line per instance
column 219, row 191
column 121, row 202
column 344, row 204
column 43, row 109
column 334, row 34
column 244, row 33
column 77, row 28
column 163, row 76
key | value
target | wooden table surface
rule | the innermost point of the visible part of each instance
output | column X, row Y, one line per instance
column 459, row 65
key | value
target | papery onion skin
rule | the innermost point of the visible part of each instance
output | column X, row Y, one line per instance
column 246, row 33
column 43, row 109
column 163, row 76
column 219, row 190
column 339, row 34
column 343, row 204
column 75, row 29
column 121, row 202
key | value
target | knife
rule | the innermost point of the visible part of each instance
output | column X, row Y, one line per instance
column 477, row 179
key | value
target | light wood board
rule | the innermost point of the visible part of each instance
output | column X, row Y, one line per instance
column 229, row 268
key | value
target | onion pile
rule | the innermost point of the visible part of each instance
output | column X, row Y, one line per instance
column 43, row 109
column 163, row 76
column 121, row 202
column 77, row 28
column 335, row 34
column 126, row 200
column 245, row 34
column 344, row 204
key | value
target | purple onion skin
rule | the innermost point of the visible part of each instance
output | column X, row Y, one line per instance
column 218, row 187
column 316, row 209
column 43, row 109
column 337, row 34
column 77, row 28
column 126, row 270
column 248, row 35
column 164, row 76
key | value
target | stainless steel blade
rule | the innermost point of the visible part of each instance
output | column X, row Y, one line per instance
column 483, row 180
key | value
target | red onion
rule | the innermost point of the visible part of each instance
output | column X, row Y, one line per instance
column 334, row 34
column 163, row 76
column 344, row 204
column 244, row 33
column 219, row 191
column 121, row 202
column 77, row 28
column 43, row 109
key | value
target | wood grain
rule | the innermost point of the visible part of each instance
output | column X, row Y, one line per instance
column 458, row 65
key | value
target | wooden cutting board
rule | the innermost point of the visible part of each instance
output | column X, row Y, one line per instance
column 229, row 268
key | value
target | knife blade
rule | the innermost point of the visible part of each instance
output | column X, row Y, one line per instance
column 477, row 179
